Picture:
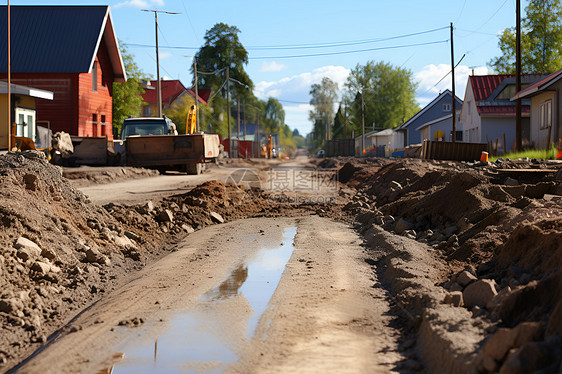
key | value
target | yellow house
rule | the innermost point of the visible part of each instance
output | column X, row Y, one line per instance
column 22, row 110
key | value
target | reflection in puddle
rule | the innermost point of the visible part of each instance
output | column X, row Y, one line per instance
column 197, row 340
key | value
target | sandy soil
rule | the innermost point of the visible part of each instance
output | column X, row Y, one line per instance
column 323, row 316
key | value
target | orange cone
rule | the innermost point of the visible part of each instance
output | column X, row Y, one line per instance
column 559, row 153
column 484, row 156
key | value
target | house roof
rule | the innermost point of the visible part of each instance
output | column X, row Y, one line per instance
column 386, row 132
column 426, row 108
column 171, row 90
column 486, row 89
column 539, row 86
column 59, row 39
column 17, row 89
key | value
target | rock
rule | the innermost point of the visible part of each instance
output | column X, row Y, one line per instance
column 31, row 182
column 48, row 254
column 490, row 364
column 554, row 326
column 455, row 287
column 511, row 182
column 12, row 306
column 527, row 332
column 94, row 256
column 216, row 217
column 527, row 359
column 41, row 267
column 499, row 344
column 452, row 240
column 497, row 300
column 402, row 225
column 27, row 249
column 454, row 298
column 146, row 208
column 124, row 242
column 131, row 235
column 479, row 293
column 465, row 278
column 166, row 215
column 188, row 229
column 395, row 185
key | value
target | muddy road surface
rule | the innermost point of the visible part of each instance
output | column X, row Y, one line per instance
column 252, row 296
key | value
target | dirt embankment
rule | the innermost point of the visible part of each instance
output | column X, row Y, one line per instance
column 496, row 304
column 88, row 175
column 59, row 252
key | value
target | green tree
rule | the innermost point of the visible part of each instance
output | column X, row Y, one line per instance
column 324, row 96
column 388, row 94
column 274, row 115
column 541, row 40
column 339, row 123
column 127, row 96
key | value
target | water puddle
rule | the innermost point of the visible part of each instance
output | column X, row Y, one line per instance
column 205, row 340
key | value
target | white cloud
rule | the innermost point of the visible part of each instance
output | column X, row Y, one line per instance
column 431, row 74
column 139, row 3
column 164, row 55
column 293, row 92
column 271, row 66
column 297, row 87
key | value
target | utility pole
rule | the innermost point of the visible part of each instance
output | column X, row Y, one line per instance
column 238, row 115
column 228, row 110
column 345, row 119
column 453, row 105
column 518, row 141
column 244, row 118
column 9, row 82
column 196, row 95
column 158, row 85
column 362, row 123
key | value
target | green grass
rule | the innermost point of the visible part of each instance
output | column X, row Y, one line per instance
column 531, row 153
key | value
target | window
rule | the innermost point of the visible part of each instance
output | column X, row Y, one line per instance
column 468, row 105
column 446, row 107
column 94, row 124
column 545, row 114
column 95, row 76
column 103, row 119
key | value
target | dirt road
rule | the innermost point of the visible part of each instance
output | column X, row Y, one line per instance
column 226, row 301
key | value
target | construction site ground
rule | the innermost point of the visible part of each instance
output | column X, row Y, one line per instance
column 337, row 265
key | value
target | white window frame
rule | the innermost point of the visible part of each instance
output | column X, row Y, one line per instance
column 545, row 114
column 446, row 107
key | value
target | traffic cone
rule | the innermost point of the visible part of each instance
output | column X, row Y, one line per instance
column 559, row 152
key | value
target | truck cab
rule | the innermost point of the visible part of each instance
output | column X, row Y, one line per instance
column 147, row 126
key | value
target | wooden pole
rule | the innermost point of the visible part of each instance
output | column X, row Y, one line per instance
column 228, row 110
column 453, row 105
column 504, row 145
column 196, row 95
column 9, row 145
column 158, row 85
column 362, row 124
column 518, row 140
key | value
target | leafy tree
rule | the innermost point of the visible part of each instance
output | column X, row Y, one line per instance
column 388, row 94
column 296, row 132
column 324, row 96
column 541, row 40
column 339, row 123
column 127, row 96
column 274, row 114
column 179, row 110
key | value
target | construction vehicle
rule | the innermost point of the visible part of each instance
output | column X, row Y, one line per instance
column 153, row 143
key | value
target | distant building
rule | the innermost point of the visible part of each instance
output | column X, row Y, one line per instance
column 440, row 129
column 437, row 108
column 173, row 92
column 546, row 103
column 71, row 51
column 488, row 113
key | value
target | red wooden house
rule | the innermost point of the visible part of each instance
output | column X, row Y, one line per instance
column 71, row 51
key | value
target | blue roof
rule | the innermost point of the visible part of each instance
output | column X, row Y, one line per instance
column 52, row 39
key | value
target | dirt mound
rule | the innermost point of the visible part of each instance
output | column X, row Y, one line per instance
column 535, row 246
column 211, row 190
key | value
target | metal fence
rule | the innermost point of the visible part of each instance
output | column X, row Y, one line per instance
column 457, row 151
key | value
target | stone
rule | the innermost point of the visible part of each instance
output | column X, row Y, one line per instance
column 527, row 359
column 216, row 217
column 465, row 278
column 94, row 256
column 188, row 229
column 452, row 240
column 124, row 242
column 11, row 306
column 166, row 215
column 41, row 267
column 527, row 332
column 479, row 293
column 27, row 249
column 402, row 225
column 511, row 182
column 131, row 235
column 490, row 364
column 454, row 298
column 499, row 344
column 455, row 287
column 48, row 254
column 31, row 182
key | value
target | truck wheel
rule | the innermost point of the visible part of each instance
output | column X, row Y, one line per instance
column 194, row 169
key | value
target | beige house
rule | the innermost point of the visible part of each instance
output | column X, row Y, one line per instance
column 23, row 111
column 546, row 104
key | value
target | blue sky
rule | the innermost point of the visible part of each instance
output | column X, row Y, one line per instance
column 290, row 22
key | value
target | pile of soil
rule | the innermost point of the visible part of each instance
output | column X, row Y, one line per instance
column 88, row 175
column 488, row 228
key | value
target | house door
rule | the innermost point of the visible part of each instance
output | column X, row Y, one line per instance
column 25, row 122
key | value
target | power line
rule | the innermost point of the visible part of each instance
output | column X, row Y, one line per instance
column 349, row 52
